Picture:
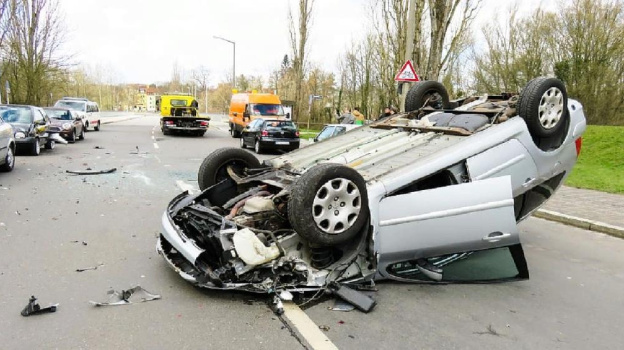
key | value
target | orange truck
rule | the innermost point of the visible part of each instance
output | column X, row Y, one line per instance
column 248, row 106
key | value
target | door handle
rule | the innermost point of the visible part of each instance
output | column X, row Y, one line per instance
column 495, row 237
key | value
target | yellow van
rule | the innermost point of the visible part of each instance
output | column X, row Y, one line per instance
column 247, row 106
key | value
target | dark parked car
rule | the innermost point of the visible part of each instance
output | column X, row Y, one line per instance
column 30, row 125
column 67, row 123
column 265, row 134
column 7, row 146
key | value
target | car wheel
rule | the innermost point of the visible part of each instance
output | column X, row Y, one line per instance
column 86, row 126
column 9, row 160
column 427, row 93
column 214, row 167
column 36, row 148
column 258, row 147
column 165, row 131
column 233, row 132
column 328, row 204
column 97, row 127
column 543, row 105
column 242, row 143
column 50, row 144
column 72, row 137
column 82, row 134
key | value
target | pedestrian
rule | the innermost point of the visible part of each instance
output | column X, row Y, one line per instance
column 387, row 112
column 346, row 117
column 359, row 117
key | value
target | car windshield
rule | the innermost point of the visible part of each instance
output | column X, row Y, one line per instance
column 59, row 114
column 280, row 124
column 325, row 133
column 267, row 109
column 21, row 115
column 178, row 103
column 73, row 105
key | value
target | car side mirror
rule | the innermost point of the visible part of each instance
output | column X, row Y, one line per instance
column 246, row 115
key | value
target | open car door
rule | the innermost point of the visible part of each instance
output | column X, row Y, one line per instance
column 466, row 231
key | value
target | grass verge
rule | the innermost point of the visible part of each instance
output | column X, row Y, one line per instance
column 601, row 163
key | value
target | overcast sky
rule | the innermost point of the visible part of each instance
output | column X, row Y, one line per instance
column 140, row 40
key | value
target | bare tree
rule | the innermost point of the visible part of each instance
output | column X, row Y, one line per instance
column 299, row 30
column 31, row 53
column 201, row 76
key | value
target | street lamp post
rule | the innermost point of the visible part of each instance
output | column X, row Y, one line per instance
column 233, row 59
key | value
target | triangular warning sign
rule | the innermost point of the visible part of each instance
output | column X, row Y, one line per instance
column 407, row 73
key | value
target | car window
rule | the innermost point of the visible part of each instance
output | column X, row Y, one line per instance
column 325, row 133
column 73, row 105
column 60, row 114
column 21, row 115
column 277, row 124
column 96, row 108
column 340, row 130
column 39, row 115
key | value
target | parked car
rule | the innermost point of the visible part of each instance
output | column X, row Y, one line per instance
column 66, row 122
column 30, row 126
column 7, row 145
column 89, row 111
column 432, row 195
column 331, row 130
column 270, row 134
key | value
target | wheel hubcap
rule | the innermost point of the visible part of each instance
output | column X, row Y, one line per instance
column 336, row 206
column 10, row 159
column 551, row 108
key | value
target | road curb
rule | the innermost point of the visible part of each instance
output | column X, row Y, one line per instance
column 586, row 224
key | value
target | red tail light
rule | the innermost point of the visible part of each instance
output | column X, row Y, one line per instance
column 203, row 123
column 265, row 133
column 169, row 122
column 579, row 143
column 297, row 133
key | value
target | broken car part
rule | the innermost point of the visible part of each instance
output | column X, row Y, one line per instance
column 91, row 172
column 33, row 308
column 124, row 297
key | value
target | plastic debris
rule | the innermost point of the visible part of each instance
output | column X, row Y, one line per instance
column 125, row 297
column 92, row 172
column 33, row 308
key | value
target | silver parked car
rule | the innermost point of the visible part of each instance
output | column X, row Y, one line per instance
column 432, row 195
column 7, row 146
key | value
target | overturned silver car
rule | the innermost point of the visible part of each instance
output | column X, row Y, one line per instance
column 432, row 195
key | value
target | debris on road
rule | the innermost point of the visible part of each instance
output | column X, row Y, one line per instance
column 92, row 172
column 83, row 242
column 124, row 297
column 89, row 268
column 324, row 328
column 360, row 300
column 33, row 308
column 98, row 147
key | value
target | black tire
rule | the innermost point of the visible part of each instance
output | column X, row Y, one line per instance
column 9, row 160
column 233, row 132
column 35, row 149
column 258, row 147
column 50, row 144
column 242, row 143
column 97, row 127
column 306, row 216
column 86, row 126
column 421, row 93
column 82, row 134
column 214, row 167
column 72, row 137
column 543, row 105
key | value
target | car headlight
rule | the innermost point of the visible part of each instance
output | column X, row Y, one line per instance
column 67, row 126
column 19, row 135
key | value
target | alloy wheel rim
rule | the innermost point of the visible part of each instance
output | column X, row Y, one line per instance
column 551, row 108
column 10, row 158
column 336, row 206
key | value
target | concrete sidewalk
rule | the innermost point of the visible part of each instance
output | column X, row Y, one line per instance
column 587, row 209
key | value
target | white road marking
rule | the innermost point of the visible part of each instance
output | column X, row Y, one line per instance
column 145, row 179
column 306, row 327
column 158, row 159
column 186, row 187
column 153, row 138
column 156, row 145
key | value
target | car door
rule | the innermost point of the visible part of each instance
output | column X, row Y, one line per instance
column 40, row 124
column 469, row 230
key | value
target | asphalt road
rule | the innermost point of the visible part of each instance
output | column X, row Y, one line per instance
column 572, row 301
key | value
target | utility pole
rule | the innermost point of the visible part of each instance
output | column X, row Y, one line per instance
column 233, row 59
column 409, row 47
column 205, row 95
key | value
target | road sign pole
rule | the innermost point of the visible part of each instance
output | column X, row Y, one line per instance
column 409, row 47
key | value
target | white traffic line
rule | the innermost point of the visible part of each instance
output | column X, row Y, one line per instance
column 307, row 328
column 156, row 145
column 186, row 187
